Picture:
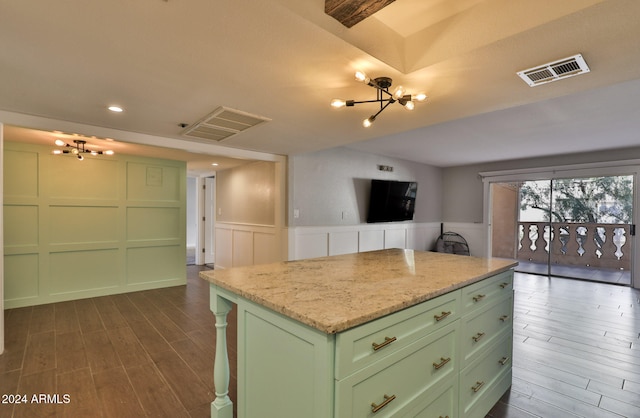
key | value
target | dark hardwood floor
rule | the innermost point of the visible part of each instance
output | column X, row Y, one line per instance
column 576, row 353
column 139, row 354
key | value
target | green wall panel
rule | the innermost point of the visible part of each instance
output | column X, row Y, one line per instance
column 83, row 224
column 153, row 223
column 21, row 276
column 78, row 271
column 92, row 178
column 153, row 264
column 20, row 173
column 104, row 225
column 20, row 225
column 153, row 182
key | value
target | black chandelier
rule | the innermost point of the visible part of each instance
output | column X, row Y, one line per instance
column 383, row 96
column 78, row 148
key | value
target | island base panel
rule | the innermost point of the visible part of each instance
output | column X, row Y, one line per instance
column 282, row 366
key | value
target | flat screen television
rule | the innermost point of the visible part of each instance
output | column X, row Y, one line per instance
column 392, row 200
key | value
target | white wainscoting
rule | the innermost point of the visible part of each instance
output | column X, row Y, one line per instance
column 240, row 245
column 244, row 245
column 319, row 241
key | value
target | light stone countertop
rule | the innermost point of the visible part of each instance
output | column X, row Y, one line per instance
column 333, row 294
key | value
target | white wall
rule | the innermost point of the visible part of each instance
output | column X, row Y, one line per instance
column 249, row 227
column 331, row 187
column 247, row 194
column 329, row 198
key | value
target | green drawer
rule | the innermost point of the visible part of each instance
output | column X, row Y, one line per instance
column 478, row 392
column 396, row 387
column 481, row 328
column 364, row 345
column 439, row 404
column 486, row 292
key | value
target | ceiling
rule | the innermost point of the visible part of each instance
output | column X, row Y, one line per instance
column 170, row 62
column 198, row 163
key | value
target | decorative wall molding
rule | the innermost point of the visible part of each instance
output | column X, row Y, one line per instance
column 75, row 230
column 245, row 244
column 321, row 241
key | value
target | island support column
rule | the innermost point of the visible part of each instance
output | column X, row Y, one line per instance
column 221, row 407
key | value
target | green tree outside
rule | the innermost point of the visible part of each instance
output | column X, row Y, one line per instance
column 578, row 200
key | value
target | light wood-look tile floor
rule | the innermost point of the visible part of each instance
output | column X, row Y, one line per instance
column 150, row 354
column 576, row 350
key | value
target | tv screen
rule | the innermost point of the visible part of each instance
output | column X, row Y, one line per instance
column 392, row 201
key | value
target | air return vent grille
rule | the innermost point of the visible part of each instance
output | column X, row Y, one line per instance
column 221, row 124
column 554, row 71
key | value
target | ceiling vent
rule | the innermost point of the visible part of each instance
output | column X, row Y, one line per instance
column 222, row 123
column 564, row 68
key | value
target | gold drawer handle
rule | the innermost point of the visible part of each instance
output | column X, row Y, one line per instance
column 442, row 316
column 504, row 318
column 443, row 361
column 477, row 387
column 386, row 342
column 375, row 408
column 478, row 298
column 504, row 285
column 478, row 336
column 503, row 361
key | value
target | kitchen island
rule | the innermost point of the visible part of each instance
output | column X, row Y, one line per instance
column 381, row 333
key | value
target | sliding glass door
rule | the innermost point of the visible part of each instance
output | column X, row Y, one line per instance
column 577, row 227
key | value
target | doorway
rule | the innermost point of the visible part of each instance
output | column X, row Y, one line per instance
column 209, row 233
column 201, row 195
column 575, row 227
column 192, row 220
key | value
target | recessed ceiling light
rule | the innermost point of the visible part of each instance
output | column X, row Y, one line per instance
column 215, row 164
column 116, row 109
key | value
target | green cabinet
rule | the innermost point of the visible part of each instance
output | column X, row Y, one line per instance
column 485, row 344
column 449, row 356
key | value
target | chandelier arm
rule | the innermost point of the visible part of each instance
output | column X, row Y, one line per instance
column 370, row 101
column 382, row 90
column 383, row 107
column 378, row 87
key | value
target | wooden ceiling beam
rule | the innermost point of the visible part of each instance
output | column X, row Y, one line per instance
column 350, row 12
